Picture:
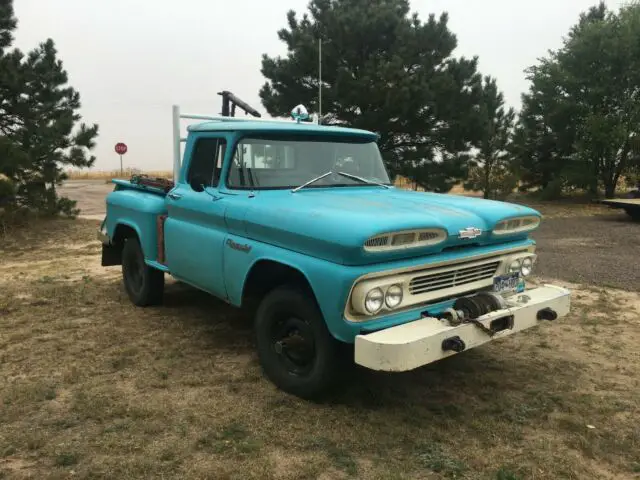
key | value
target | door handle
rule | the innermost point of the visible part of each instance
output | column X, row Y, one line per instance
column 175, row 196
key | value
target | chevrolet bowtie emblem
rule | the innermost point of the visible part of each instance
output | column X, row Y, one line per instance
column 470, row 232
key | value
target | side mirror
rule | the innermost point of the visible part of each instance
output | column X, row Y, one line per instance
column 197, row 183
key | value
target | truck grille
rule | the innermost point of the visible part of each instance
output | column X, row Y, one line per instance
column 459, row 275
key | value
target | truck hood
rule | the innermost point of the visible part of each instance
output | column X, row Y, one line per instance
column 334, row 223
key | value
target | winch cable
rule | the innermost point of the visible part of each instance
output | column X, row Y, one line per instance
column 476, row 306
column 479, row 324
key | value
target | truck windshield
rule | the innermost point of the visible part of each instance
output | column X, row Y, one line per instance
column 288, row 162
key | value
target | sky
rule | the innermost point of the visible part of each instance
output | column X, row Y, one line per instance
column 131, row 60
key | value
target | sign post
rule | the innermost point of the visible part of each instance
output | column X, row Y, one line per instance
column 121, row 149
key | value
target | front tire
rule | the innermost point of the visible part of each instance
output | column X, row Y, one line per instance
column 296, row 350
column 144, row 284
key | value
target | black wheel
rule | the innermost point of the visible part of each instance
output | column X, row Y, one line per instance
column 296, row 350
column 144, row 284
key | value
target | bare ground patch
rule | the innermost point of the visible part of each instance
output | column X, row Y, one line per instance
column 96, row 388
column 595, row 250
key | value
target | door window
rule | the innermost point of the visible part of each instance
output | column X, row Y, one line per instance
column 206, row 161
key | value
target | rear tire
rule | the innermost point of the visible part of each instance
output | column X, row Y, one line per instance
column 296, row 350
column 144, row 284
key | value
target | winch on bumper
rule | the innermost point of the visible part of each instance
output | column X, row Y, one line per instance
column 428, row 339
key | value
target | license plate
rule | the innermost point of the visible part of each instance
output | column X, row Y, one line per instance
column 506, row 283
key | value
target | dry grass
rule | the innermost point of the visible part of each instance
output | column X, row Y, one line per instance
column 96, row 388
column 125, row 174
column 565, row 208
column 571, row 206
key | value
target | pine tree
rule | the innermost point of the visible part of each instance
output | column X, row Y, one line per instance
column 8, row 23
column 493, row 174
column 11, row 157
column 387, row 71
column 580, row 122
column 39, row 123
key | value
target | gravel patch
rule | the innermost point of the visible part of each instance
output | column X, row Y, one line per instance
column 599, row 250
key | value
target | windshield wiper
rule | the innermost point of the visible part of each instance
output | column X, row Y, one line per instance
column 313, row 180
column 363, row 180
column 348, row 175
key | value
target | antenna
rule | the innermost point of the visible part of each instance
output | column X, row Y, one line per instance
column 319, row 79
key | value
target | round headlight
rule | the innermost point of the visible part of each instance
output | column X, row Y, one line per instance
column 393, row 297
column 374, row 300
column 527, row 267
column 515, row 266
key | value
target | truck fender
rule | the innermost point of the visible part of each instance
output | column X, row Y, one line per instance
column 279, row 272
column 117, row 226
column 328, row 282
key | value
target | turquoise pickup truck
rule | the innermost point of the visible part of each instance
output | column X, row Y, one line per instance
column 302, row 221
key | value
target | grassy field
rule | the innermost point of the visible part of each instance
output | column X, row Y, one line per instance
column 93, row 387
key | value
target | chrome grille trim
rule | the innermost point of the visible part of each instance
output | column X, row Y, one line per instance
column 455, row 277
column 437, row 271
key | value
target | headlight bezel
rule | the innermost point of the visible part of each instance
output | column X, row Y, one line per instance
column 518, row 225
column 531, row 261
column 509, row 262
column 382, row 300
column 386, row 296
column 515, row 262
column 359, row 302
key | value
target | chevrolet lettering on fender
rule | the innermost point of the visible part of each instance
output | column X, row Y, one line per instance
column 302, row 221
column 238, row 246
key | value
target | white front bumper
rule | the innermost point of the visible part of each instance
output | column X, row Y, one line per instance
column 420, row 342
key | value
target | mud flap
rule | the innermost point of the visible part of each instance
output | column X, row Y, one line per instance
column 111, row 255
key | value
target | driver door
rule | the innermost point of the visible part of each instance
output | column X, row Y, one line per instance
column 195, row 228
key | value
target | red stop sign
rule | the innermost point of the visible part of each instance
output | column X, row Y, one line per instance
column 121, row 148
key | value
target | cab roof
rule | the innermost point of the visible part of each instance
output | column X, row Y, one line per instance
column 277, row 127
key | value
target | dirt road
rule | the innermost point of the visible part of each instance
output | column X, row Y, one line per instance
column 90, row 195
column 599, row 250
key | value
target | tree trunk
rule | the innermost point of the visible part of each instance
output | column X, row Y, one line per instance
column 487, row 187
column 487, row 178
column 544, row 180
column 609, row 190
column 593, row 184
column 621, row 166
